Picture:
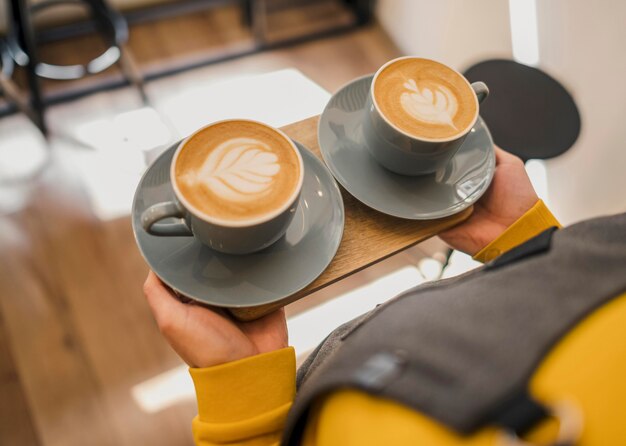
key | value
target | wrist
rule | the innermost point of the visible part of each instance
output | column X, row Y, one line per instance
column 534, row 221
column 494, row 234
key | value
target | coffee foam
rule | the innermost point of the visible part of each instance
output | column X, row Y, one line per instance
column 237, row 170
column 424, row 98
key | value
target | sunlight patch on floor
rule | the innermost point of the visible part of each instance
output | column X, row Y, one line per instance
column 140, row 129
column 277, row 98
column 24, row 154
column 164, row 390
column 109, row 140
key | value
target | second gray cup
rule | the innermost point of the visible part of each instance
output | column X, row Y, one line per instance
column 405, row 154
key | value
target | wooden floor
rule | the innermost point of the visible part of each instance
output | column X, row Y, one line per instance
column 75, row 332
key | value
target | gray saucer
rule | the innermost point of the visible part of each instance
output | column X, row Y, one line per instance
column 289, row 265
column 463, row 181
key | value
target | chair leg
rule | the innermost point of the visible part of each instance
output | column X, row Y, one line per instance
column 259, row 21
column 131, row 71
column 246, row 12
column 127, row 61
column 25, row 35
column 14, row 95
column 362, row 9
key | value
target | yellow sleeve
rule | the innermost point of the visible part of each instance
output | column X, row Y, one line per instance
column 536, row 220
column 244, row 402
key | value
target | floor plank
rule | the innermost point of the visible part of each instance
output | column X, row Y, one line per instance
column 16, row 423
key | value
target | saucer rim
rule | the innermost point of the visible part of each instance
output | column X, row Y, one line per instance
column 332, row 256
column 449, row 211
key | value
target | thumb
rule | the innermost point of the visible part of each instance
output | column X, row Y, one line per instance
column 166, row 308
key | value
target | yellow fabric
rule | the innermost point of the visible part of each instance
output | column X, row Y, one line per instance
column 245, row 402
column 536, row 220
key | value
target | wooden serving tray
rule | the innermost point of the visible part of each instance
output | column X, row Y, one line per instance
column 385, row 235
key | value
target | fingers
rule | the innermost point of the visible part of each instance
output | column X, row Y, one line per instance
column 163, row 302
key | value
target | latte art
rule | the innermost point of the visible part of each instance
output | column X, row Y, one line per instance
column 424, row 98
column 423, row 105
column 239, row 169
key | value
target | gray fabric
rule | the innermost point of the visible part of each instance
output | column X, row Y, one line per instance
column 458, row 349
column 326, row 348
column 329, row 345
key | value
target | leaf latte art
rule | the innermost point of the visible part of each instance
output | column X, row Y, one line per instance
column 424, row 98
column 438, row 107
column 239, row 170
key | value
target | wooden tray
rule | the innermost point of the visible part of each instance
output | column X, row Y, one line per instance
column 385, row 235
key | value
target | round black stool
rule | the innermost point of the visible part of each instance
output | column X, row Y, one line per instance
column 22, row 46
column 109, row 23
column 529, row 113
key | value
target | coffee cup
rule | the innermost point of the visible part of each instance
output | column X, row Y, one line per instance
column 418, row 113
column 236, row 184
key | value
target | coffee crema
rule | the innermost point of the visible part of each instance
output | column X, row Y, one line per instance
column 425, row 99
column 237, row 170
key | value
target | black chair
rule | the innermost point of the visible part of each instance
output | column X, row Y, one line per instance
column 22, row 43
column 529, row 113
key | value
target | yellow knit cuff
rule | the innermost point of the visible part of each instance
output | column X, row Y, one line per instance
column 244, row 398
column 536, row 220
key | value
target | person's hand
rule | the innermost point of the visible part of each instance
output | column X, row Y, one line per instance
column 510, row 195
column 205, row 337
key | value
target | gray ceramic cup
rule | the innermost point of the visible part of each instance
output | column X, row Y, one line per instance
column 230, row 237
column 406, row 154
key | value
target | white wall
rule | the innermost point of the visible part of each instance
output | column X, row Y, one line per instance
column 455, row 32
column 581, row 43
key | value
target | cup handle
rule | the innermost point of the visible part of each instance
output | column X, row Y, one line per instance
column 481, row 90
column 159, row 211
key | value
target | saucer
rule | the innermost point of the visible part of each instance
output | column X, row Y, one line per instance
column 446, row 192
column 234, row 281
